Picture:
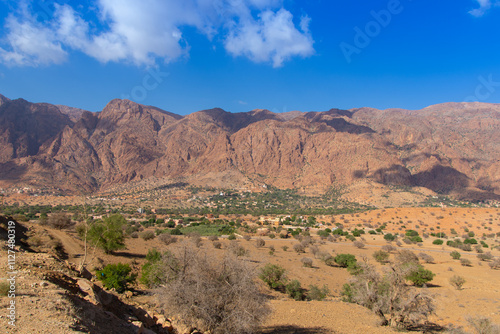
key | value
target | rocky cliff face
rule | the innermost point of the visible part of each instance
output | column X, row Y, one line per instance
column 448, row 148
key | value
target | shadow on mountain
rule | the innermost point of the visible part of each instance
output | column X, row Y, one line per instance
column 11, row 171
column 395, row 175
column 442, row 179
column 478, row 196
column 290, row 329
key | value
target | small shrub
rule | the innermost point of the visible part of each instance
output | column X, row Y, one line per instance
column 295, row 290
column 215, row 295
column 455, row 255
column 314, row 250
column 260, row 243
column 438, row 242
column 213, row 238
column 465, row 262
column 388, row 248
column 406, row 256
column 232, row 236
column 271, row 250
column 426, row 258
column 485, row 256
column 381, row 256
column 237, row 249
column 389, row 237
column 420, row 276
column 345, row 260
column 316, row 293
column 358, row 244
column 285, row 248
column 274, row 276
column 495, row 264
column 167, row 239
column 457, row 282
column 307, row 262
column 134, row 235
column 299, row 248
column 247, row 237
column 116, row 276
column 483, row 325
column 147, row 235
column 160, row 268
column 59, row 221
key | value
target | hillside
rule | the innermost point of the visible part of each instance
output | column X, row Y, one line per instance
column 449, row 149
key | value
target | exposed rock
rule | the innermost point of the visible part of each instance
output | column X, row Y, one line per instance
column 449, row 148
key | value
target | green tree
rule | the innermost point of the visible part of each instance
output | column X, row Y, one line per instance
column 107, row 234
column 160, row 268
column 420, row 276
column 116, row 276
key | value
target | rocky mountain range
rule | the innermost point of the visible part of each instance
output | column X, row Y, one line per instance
column 451, row 148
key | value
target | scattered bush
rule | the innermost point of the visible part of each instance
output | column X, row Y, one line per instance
column 426, row 257
column 420, row 276
column 396, row 303
column 107, row 234
column 116, row 276
column 358, row 244
column 457, row 282
column 285, row 248
column 237, row 249
column 260, row 243
column 465, row 262
column 147, row 235
column 299, row 248
column 219, row 296
column 483, row 325
column 495, row 264
column 295, row 290
column 232, row 236
column 217, row 244
column 159, row 269
column 438, row 242
column 485, row 256
column 274, row 276
column 59, row 221
column 167, row 239
column 406, row 256
column 455, row 255
column 381, row 256
column 345, row 260
column 213, row 238
column 388, row 248
column 389, row 237
column 316, row 293
column 307, row 262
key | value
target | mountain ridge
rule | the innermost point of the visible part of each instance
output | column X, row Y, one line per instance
column 448, row 148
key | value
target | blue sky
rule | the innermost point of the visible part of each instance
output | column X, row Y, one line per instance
column 281, row 55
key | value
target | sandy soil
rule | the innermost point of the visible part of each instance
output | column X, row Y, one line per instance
column 480, row 295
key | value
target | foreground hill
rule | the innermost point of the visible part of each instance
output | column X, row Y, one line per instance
column 451, row 149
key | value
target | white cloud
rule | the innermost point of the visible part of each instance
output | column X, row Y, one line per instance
column 31, row 43
column 272, row 36
column 146, row 31
column 484, row 6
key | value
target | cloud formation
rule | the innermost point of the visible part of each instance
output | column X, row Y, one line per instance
column 484, row 6
column 147, row 31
